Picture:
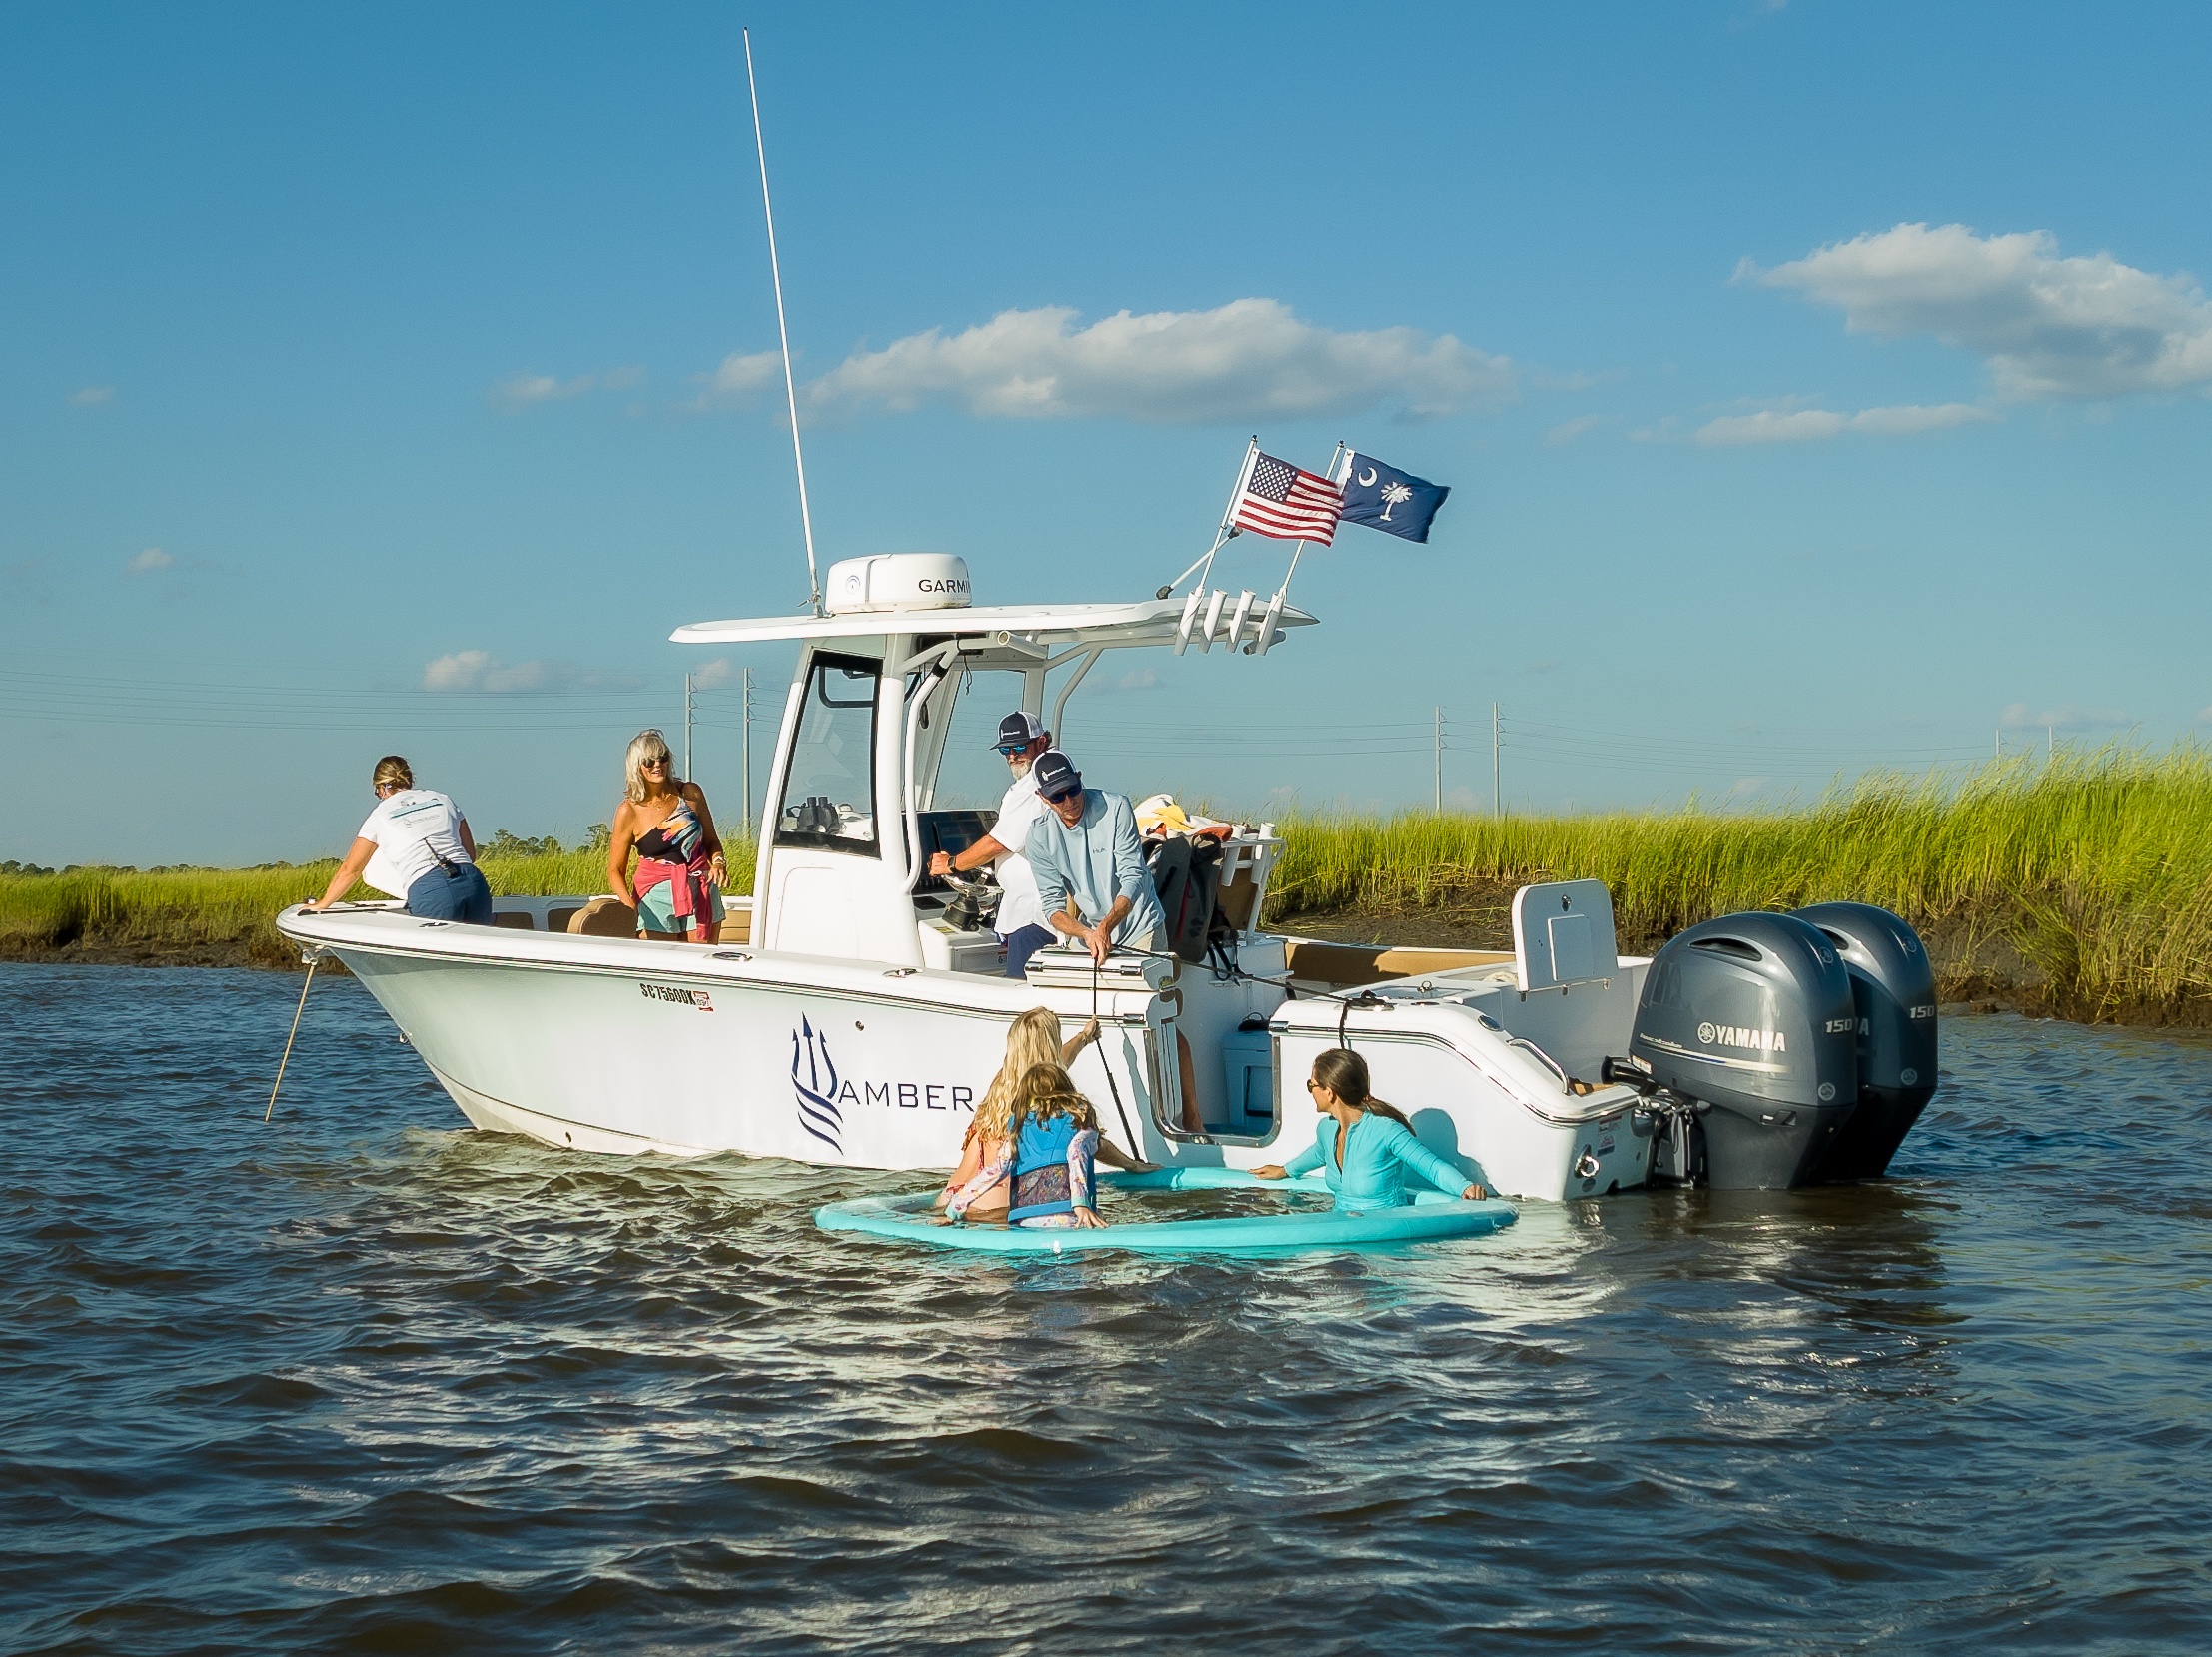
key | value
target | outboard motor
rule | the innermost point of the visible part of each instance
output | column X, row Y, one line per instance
column 1893, row 986
column 1747, row 1030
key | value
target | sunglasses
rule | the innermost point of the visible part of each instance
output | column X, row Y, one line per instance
column 1063, row 796
column 1010, row 749
column 654, row 764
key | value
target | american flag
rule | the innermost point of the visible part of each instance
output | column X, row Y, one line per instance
column 1281, row 501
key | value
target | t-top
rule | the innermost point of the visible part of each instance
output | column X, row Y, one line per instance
column 1017, row 813
column 412, row 831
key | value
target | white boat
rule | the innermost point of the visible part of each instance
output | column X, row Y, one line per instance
column 847, row 1021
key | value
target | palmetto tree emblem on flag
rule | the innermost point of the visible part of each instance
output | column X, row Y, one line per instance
column 1382, row 497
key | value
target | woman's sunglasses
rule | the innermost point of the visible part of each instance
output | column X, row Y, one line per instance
column 655, row 763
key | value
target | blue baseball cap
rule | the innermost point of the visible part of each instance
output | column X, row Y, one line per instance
column 1055, row 774
column 1018, row 731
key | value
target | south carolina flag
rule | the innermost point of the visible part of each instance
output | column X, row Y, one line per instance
column 1384, row 498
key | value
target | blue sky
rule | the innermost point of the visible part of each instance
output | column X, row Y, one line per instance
column 1821, row 387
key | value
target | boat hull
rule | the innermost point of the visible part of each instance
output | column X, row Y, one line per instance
column 623, row 1047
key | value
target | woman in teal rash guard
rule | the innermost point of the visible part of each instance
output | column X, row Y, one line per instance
column 1364, row 1148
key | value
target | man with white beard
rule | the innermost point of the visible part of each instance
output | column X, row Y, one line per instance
column 1020, row 920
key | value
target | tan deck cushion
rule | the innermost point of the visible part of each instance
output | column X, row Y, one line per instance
column 1341, row 963
column 605, row 917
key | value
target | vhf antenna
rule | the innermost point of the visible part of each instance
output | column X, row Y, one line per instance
column 791, row 386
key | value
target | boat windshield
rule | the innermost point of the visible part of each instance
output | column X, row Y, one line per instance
column 829, row 789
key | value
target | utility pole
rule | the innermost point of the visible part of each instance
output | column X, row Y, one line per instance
column 688, row 728
column 748, row 744
column 2000, row 742
column 2050, row 732
column 1439, row 761
column 1494, row 761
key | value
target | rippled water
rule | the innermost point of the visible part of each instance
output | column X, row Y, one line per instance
column 365, row 1380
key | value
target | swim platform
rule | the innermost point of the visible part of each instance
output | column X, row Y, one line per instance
column 1433, row 1218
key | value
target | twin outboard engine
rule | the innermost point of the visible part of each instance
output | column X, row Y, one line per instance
column 1893, row 986
column 1759, row 1039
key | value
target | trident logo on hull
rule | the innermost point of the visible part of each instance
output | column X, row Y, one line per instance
column 817, row 1089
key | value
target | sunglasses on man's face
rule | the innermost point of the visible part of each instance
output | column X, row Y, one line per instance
column 1063, row 796
column 1011, row 751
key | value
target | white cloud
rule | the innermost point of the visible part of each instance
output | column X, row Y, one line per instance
column 1567, row 430
column 523, row 390
column 1248, row 359
column 713, row 675
column 743, row 371
column 150, row 559
column 1808, row 424
column 2069, row 718
column 2046, row 326
column 91, row 396
column 481, row 671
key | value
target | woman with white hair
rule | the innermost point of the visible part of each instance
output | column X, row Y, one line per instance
column 681, row 869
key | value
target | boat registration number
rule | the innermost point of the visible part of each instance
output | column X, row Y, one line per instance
column 677, row 997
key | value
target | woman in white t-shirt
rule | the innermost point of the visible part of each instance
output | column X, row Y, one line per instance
column 417, row 845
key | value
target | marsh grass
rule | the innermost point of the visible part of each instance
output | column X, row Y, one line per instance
column 221, row 914
column 2095, row 869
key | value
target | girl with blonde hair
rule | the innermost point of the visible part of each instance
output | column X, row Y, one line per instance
column 680, row 867
column 1034, row 1039
column 1047, row 1159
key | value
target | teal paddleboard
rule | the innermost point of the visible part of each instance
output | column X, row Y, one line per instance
column 1433, row 1218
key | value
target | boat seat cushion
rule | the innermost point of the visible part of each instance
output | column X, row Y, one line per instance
column 1350, row 963
column 605, row 917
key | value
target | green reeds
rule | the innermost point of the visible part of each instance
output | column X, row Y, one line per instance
column 2095, row 868
column 2094, row 871
column 223, row 914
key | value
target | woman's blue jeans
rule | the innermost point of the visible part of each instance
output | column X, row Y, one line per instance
column 455, row 893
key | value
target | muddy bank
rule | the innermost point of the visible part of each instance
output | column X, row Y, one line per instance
column 268, row 954
column 1980, row 965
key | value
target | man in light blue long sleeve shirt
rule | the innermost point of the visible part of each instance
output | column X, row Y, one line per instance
column 1086, row 847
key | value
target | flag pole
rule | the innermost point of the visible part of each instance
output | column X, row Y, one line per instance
column 1266, row 634
column 1221, row 534
column 1283, row 591
column 791, row 386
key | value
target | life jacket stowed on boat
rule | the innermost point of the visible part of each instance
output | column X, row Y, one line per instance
column 1043, row 1183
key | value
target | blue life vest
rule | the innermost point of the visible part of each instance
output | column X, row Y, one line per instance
column 1041, row 1168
